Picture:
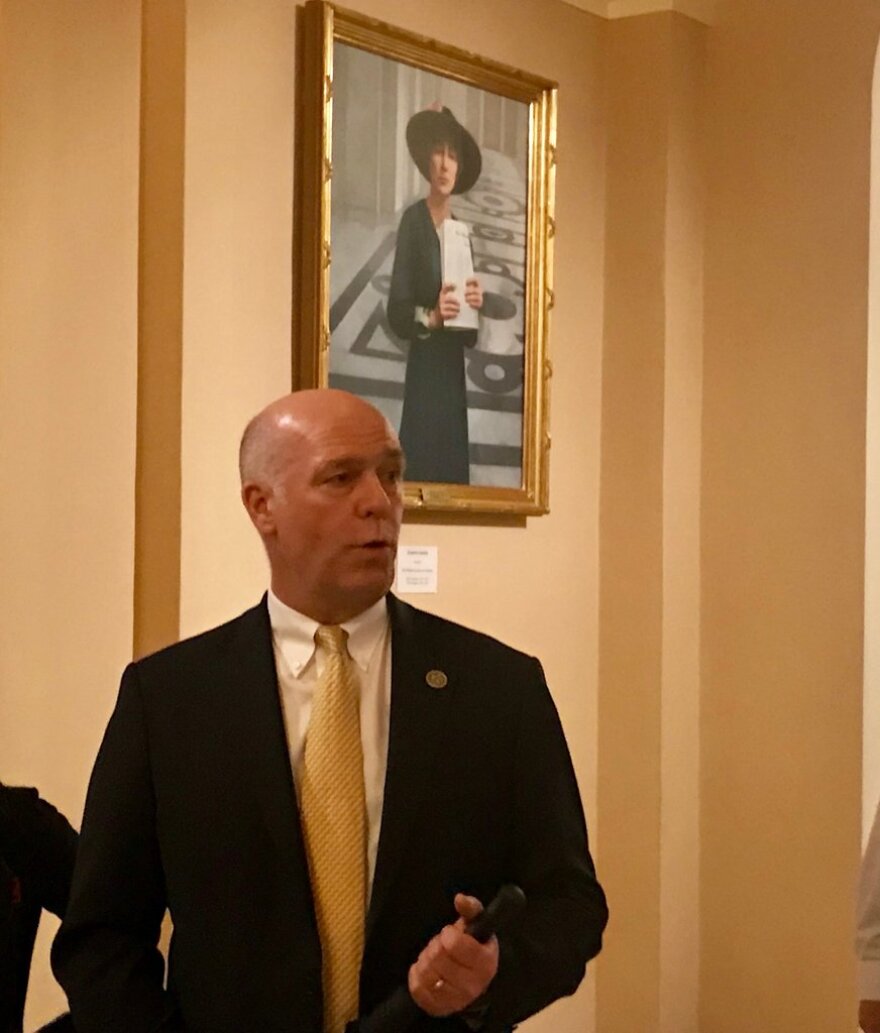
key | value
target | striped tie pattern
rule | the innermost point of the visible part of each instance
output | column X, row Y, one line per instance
column 334, row 824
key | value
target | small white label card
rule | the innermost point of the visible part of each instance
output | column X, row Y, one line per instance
column 417, row 568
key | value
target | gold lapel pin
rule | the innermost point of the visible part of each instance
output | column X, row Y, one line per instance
column 436, row 679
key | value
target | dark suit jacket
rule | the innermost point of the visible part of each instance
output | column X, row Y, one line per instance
column 192, row 806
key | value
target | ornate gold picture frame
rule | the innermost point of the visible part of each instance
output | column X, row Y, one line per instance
column 423, row 250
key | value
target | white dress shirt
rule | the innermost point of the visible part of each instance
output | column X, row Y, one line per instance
column 299, row 664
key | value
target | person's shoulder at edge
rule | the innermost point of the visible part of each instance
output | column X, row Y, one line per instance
column 16, row 799
column 38, row 845
column 23, row 811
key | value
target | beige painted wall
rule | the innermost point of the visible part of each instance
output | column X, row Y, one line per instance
column 680, row 895
column 649, row 525
column 871, row 700
column 631, row 519
column 781, row 369
column 783, row 510
column 238, row 189
column 68, row 324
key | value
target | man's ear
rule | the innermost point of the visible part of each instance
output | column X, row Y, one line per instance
column 259, row 502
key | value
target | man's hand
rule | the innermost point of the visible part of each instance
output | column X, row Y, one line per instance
column 454, row 969
column 869, row 1016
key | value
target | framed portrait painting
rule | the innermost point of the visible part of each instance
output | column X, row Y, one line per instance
column 423, row 253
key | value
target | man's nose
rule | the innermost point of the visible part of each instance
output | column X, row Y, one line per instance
column 373, row 498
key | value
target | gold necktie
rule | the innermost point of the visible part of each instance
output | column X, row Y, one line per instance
column 334, row 820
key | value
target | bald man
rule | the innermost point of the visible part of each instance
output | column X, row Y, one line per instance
column 196, row 800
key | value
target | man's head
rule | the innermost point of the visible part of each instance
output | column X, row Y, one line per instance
column 321, row 478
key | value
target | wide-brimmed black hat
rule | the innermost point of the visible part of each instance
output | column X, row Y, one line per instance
column 423, row 131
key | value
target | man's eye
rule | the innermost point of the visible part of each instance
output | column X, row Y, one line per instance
column 343, row 477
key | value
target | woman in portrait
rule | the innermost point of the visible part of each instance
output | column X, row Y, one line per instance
column 422, row 303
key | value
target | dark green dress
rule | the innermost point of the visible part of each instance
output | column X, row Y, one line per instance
column 433, row 426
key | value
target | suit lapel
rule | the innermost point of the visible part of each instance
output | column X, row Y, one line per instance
column 250, row 683
column 418, row 726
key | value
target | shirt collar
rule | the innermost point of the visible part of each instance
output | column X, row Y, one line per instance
column 294, row 633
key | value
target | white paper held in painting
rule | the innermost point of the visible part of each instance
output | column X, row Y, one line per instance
column 458, row 268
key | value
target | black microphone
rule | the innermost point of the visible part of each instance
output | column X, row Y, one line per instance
column 504, row 907
column 398, row 1012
